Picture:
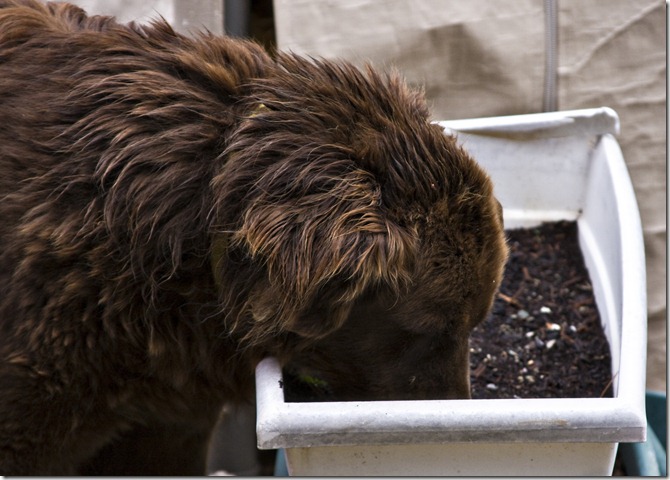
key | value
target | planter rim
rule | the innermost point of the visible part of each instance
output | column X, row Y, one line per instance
column 284, row 424
column 584, row 122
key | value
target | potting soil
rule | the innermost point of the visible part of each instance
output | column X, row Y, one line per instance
column 543, row 338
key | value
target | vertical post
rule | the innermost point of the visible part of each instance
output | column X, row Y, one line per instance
column 236, row 17
column 550, row 102
column 232, row 447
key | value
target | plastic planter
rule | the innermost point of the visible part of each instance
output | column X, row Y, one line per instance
column 546, row 167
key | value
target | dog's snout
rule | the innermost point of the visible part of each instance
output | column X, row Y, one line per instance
column 461, row 391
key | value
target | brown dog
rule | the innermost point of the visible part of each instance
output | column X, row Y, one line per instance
column 174, row 209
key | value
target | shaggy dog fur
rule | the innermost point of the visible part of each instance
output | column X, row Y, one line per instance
column 173, row 209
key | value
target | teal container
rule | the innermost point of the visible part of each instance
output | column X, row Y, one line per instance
column 281, row 469
column 649, row 459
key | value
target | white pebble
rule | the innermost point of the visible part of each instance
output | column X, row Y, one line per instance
column 522, row 314
column 491, row 386
column 545, row 310
column 550, row 343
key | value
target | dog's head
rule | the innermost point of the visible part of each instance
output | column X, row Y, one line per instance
column 357, row 241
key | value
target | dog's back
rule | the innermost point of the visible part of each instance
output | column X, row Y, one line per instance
column 106, row 130
column 86, row 102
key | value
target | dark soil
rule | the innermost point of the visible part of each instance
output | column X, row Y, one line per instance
column 543, row 338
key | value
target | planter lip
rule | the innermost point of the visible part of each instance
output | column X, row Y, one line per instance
column 584, row 122
column 284, row 424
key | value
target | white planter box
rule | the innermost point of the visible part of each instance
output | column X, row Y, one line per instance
column 546, row 167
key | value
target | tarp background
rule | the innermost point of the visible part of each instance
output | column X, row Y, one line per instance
column 184, row 15
column 487, row 58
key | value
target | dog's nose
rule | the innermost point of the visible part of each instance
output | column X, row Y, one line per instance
column 461, row 394
column 459, row 387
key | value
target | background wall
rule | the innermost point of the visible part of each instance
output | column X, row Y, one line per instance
column 183, row 15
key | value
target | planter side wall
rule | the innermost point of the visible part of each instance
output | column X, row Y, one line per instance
column 487, row 459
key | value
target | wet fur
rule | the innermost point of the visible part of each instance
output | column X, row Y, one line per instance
column 173, row 209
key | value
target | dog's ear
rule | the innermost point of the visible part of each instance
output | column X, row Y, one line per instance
column 322, row 234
